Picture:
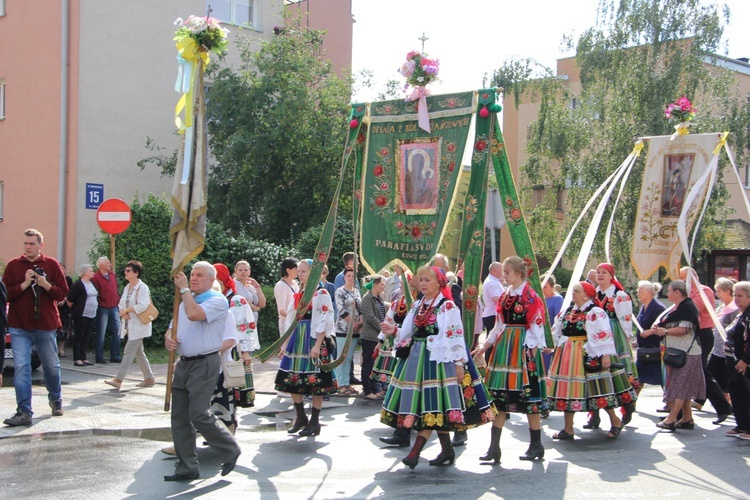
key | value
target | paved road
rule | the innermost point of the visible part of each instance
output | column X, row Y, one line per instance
column 107, row 446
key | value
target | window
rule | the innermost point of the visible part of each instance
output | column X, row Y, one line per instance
column 239, row 12
column 2, row 97
column 2, row 8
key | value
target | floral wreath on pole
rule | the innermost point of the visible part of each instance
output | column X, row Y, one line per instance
column 195, row 38
column 680, row 111
column 419, row 71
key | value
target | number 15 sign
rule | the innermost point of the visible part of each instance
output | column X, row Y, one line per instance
column 94, row 195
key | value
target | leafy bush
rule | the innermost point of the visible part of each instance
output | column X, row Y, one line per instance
column 343, row 241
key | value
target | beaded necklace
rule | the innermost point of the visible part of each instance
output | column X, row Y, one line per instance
column 424, row 312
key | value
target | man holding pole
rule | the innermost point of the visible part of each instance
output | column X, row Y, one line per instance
column 200, row 328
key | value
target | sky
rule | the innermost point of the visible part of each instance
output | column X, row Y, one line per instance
column 471, row 38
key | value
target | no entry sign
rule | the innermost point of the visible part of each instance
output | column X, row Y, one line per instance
column 113, row 216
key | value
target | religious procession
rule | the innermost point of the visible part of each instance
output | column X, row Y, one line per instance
column 444, row 336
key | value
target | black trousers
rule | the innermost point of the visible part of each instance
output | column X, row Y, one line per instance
column 489, row 324
column 738, row 389
column 369, row 386
column 82, row 327
column 713, row 390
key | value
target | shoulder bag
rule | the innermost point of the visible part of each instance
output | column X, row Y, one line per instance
column 150, row 314
column 648, row 354
column 234, row 373
column 676, row 358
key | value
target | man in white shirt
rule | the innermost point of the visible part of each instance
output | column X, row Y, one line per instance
column 492, row 289
column 200, row 329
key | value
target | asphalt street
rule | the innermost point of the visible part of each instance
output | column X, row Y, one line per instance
column 107, row 445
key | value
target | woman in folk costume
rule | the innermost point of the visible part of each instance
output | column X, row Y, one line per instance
column 309, row 347
column 425, row 391
column 618, row 306
column 386, row 362
column 247, row 333
column 582, row 375
column 515, row 371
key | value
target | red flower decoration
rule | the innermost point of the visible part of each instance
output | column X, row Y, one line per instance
column 468, row 305
column 433, row 225
column 381, row 201
column 243, row 327
column 361, row 138
column 448, row 306
column 321, row 257
column 252, row 326
column 532, row 366
column 515, row 213
column 469, row 393
column 384, row 151
column 451, row 147
column 626, row 397
column 480, row 145
column 384, row 185
column 416, row 232
column 378, row 170
column 451, row 166
column 509, row 202
column 358, row 194
column 324, row 308
column 560, row 405
column 601, row 403
column 399, row 224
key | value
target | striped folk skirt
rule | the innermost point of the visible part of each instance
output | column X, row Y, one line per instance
column 382, row 370
column 423, row 394
column 571, row 388
column 515, row 378
column 297, row 373
column 624, row 352
column 479, row 406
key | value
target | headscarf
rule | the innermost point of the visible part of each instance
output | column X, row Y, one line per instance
column 590, row 291
column 224, row 277
column 442, row 282
column 611, row 270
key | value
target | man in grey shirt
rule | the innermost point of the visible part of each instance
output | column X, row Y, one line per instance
column 200, row 329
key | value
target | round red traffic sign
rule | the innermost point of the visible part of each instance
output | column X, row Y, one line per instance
column 113, row 216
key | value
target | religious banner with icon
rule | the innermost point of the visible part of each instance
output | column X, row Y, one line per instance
column 673, row 167
column 407, row 177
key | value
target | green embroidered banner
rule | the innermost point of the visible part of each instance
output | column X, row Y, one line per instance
column 408, row 178
column 471, row 243
column 519, row 233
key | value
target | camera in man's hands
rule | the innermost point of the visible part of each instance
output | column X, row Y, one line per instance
column 38, row 270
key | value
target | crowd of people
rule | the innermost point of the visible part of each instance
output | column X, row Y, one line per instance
column 417, row 362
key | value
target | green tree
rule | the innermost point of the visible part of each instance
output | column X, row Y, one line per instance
column 640, row 55
column 277, row 127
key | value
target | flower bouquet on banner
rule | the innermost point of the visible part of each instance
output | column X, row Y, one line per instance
column 419, row 71
column 680, row 111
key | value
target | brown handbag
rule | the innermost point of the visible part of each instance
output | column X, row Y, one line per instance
column 150, row 314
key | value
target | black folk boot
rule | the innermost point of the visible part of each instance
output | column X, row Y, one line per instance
column 447, row 453
column 301, row 419
column 493, row 452
column 313, row 427
column 536, row 450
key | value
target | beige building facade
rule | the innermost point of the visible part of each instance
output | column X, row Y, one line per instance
column 82, row 91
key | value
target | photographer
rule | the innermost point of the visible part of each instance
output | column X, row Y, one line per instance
column 35, row 285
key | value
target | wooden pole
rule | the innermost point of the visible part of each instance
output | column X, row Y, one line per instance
column 112, row 251
column 170, row 366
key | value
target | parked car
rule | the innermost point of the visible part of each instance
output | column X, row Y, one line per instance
column 35, row 361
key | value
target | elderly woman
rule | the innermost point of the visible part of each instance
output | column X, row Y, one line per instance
column 678, row 329
column 515, row 371
column 373, row 313
column 348, row 310
column 582, row 375
column 135, row 299
column 649, row 369
column 726, row 311
column 737, row 359
column 248, row 287
column 82, row 301
column 310, row 346
column 425, row 391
